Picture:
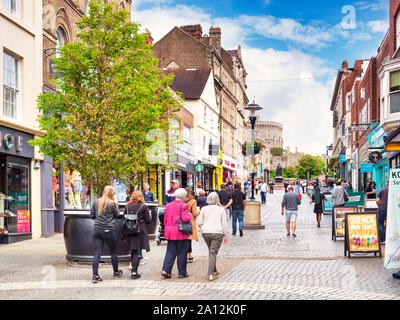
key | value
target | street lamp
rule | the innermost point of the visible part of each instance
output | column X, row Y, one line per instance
column 253, row 107
column 328, row 148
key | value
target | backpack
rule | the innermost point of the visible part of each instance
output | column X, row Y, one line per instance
column 131, row 225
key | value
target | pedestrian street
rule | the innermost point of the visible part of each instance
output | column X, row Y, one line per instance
column 264, row 264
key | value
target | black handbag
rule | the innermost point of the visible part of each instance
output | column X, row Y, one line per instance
column 184, row 227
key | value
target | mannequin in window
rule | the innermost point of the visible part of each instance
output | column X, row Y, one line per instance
column 78, row 188
column 69, row 196
column 55, row 188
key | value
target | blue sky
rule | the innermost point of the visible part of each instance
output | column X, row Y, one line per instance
column 292, row 50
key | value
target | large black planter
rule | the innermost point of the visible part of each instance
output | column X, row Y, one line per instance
column 78, row 235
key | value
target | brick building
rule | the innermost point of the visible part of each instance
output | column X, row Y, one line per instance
column 187, row 48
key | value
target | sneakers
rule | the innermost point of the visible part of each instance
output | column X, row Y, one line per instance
column 165, row 275
column 183, row 276
column 118, row 274
column 211, row 277
column 216, row 274
column 293, row 235
column 96, row 279
column 143, row 261
column 288, row 235
column 135, row 276
column 396, row 275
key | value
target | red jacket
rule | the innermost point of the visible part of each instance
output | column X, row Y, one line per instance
column 171, row 220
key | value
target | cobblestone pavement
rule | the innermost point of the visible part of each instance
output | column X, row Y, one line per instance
column 264, row 264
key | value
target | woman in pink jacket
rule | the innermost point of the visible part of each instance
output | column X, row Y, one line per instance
column 177, row 241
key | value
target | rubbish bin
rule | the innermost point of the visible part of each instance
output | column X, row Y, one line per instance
column 152, row 226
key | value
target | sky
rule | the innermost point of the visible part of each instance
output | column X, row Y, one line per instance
column 292, row 50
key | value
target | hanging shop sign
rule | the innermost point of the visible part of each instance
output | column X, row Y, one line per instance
column 362, row 234
column 199, row 167
column 392, row 248
column 366, row 167
column 338, row 221
column 377, row 137
column 356, row 199
column 342, row 158
column 15, row 142
column 375, row 157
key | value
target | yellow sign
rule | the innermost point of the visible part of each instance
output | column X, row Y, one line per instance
column 362, row 232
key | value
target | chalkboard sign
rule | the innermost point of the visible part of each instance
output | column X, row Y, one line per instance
column 362, row 234
column 339, row 221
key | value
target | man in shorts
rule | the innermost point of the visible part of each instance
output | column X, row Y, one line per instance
column 290, row 203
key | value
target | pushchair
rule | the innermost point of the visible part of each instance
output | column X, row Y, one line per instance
column 161, row 229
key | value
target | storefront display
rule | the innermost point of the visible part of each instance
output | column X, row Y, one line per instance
column 77, row 193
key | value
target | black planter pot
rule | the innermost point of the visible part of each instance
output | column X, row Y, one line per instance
column 78, row 235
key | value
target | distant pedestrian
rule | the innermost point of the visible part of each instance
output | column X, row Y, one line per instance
column 199, row 187
column 104, row 211
column 318, row 199
column 177, row 241
column 339, row 195
column 194, row 211
column 256, row 186
column 140, row 241
column 225, row 199
column 214, row 229
column 371, row 191
column 128, row 195
column 310, row 190
column 263, row 192
column 382, row 201
column 238, row 207
column 229, row 186
column 201, row 199
column 290, row 203
column 271, row 187
column 147, row 194
column 345, row 185
column 285, row 186
column 169, row 197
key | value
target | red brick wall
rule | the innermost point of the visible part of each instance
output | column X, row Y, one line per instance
column 394, row 10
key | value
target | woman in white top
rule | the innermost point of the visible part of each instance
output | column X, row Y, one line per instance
column 214, row 228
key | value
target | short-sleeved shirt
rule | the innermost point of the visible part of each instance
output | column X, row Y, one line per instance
column 224, row 197
column 238, row 198
column 383, row 196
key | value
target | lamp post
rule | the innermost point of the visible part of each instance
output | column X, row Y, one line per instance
column 253, row 107
column 252, row 215
column 328, row 148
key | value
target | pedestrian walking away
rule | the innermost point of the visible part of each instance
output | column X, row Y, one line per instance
column 104, row 211
column 290, row 203
column 137, row 240
column 382, row 202
column 339, row 195
column 238, row 207
column 225, row 199
column 214, row 229
column 194, row 212
column 263, row 192
column 201, row 199
column 177, row 241
column 318, row 198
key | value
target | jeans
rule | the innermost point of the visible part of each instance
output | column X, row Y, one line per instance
column 263, row 197
column 382, row 218
column 213, row 241
column 135, row 260
column 176, row 248
column 99, row 237
column 189, row 246
column 237, row 215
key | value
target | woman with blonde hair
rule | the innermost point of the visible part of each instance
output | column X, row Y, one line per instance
column 139, row 241
column 193, row 210
column 104, row 211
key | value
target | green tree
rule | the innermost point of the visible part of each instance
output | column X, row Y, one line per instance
column 309, row 161
column 290, row 173
column 110, row 95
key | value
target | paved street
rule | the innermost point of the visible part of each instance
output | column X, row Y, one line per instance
column 264, row 264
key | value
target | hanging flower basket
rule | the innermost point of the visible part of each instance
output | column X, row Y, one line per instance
column 258, row 147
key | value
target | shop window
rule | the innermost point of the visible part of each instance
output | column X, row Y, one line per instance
column 10, row 86
column 77, row 193
column 395, row 92
column 11, row 6
column 56, row 187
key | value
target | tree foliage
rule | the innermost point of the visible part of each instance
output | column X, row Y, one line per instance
column 110, row 95
column 277, row 152
column 309, row 161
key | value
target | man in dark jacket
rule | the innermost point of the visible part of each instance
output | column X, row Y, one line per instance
column 225, row 199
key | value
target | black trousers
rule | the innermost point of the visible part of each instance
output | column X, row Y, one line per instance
column 176, row 249
column 100, row 237
column 189, row 246
column 135, row 259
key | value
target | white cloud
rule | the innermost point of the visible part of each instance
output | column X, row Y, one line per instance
column 378, row 26
column 374, row 6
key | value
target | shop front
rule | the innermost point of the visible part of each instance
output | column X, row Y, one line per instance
column 229, row 166
column 19, row 211
column 378, row 156
column 365, row 173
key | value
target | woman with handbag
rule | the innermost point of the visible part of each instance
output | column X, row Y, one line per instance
column 135, row 234
column 176, row 220
column 193, row 210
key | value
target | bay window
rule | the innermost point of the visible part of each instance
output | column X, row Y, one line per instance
column 395, row 92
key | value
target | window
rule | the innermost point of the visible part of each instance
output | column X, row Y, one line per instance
column 348, row 102
column 363, row 93
column 395, row 92
column 186, row 134
column 10, row 86
column 397, row 31
column 11, row 6
column 205, row 114
column 86, row 7
column 61, row 40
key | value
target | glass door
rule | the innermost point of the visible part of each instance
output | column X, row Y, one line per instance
column 18, row 197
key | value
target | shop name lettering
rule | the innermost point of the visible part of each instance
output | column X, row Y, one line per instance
column 10, row 142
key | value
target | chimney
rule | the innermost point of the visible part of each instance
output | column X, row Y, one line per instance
column 215, row 38
column 345, row 64
column 195, row 30
column 358, row 67
column 149, row 38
